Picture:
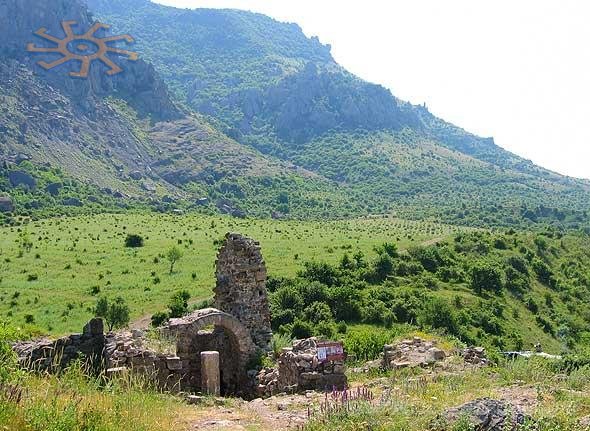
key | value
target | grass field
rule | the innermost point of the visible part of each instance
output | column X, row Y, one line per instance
column 55, row 281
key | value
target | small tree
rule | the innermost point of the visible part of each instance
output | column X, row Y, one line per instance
column 133, row 241
column 159, row 318
column 115, row 314
column 178, row 304
column 173, row 256
column 487, row 276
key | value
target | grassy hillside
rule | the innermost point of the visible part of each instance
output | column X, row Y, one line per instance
column 506, row 290
column 55, row 269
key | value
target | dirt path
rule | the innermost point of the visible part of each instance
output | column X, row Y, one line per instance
column 287, row 412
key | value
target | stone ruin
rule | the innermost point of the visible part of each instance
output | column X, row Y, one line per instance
column 411, row 353
column 238, row 328
column 241, row 287
column 52, row 355
column 299, row 369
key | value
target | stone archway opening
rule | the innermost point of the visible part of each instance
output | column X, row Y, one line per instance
column 213, row 330
column 219, row 339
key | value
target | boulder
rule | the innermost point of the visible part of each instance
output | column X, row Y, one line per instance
column 484, row 414
column 6, row 204
column 136, row 175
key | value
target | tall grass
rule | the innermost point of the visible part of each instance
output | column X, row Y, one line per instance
column 75, row 401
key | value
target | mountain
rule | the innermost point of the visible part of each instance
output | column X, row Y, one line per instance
column 110, row 143
column 270, row 87
column 259, row 121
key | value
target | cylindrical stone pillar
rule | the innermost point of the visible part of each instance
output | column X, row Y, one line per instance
column 210, row 380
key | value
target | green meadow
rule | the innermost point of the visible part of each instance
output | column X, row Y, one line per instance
column 52, row 271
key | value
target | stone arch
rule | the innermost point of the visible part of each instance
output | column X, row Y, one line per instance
column 190, row 336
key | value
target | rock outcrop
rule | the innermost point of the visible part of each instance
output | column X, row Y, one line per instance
column 484, row 415
column 475, row 355
column 6, row 204
column 138, row 83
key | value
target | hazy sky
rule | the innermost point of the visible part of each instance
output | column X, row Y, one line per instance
column 515, row 70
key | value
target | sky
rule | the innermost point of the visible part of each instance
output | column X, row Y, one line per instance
column 518, row 71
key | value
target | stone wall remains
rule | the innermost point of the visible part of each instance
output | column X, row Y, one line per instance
column 299, row 369
column 240, row 289
column 51, row 355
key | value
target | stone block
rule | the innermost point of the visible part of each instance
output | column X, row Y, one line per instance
column 174, row 363
column 94, row 327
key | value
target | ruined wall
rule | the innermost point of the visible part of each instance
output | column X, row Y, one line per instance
column 51, row 355
column 299, row 369
column 241, row 286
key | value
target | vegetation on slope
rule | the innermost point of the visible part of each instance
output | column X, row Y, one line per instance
column 506, row 291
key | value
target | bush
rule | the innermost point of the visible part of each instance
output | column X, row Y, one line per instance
column 321, row 272
column 287, row 298
column 115, row 313
column 133, row 241
column 375, row 311
column 366, row 343
column 487, row 276
column 325, row 330
column 159, row 318
column 279, row 342
column 281, row 317
column 178, row 304
column 438, row 314
column 301, row 329
column 543, row 271
column 318, row 312
column 381, row 269
column 345, row 303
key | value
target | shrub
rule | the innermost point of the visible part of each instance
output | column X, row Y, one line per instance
column 487, row 276
column 321, row 272
column 325, row 329
column 133, row 241
column 345, row 303
column 366, row 343
column 543, row 271
column 281, row 317
column 438, row 314
column 159, row 318
column 287, row 298
column 278, row 342
column 375, row 311
column 382, row 268
column 178, row 304
column 115, row 313
column 301, row 329
column 318, row 312
column 429, row 257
